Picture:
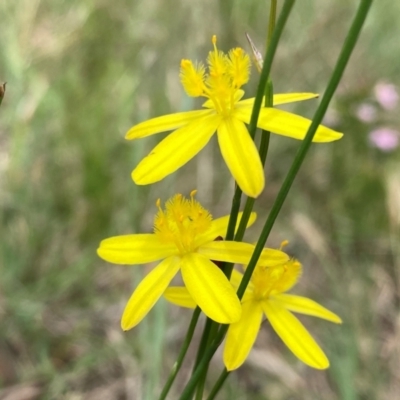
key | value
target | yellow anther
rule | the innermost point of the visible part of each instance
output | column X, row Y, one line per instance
column 185, row 63
column 158, row 203
column 181, row 221
column 237, row 52
column 225, row 74
column 284, row 244
column 193, row 193
column 192, row 78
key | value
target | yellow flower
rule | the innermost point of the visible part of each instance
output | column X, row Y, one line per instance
column 265, row 295
column 224, row 113
column 184, row 239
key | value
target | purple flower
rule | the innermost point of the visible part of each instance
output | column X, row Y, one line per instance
column 385, row 139
column 366, row 112
column 387, row 95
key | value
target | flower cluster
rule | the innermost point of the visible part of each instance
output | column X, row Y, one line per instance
column 188, row 240
column 225, row 113
column 184, row 239
column 265, row 295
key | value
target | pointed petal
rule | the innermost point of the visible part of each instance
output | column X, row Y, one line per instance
column 287, row 124
column 306, row 306
column 283, row 98
column 148, row 292
column 164, row 123
column 175, row 150
column 295, row 335
column 240, row 253
column 241, row 335
column 210, row 289
column 241, row 156
column 219, row 227
column 180, row 297
column 134, row 249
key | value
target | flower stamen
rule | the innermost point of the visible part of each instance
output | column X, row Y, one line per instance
column 181, row 221
column 226, row 74
column 284, row 243
column 269, row 281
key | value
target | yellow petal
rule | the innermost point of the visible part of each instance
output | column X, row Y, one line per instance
column 295, row 335
column 219, row 227
column 175, row 150
column 236, row 278
column 241, row 335
column 165, row 123
column 240, row 253
column 134, row 249
column 272, row 257
column 229, row 251
column 210, row 289
column 241, row 156
column 148, row 292
column 236, row 97
column 303, row 305
column 287, row 124
column 180, row 297
column 283, row 98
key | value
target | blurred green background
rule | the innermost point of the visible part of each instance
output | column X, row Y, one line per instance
column 79, row 74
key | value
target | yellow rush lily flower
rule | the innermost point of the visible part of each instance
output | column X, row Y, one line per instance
column 265, row 295
column 184, row 239
column 224, row 113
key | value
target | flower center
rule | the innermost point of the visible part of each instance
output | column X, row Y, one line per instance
column 181, row 221
column 273, row 280
column 226, row 74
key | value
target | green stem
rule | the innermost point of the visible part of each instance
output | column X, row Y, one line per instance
column 203, row 342
column 340, row 66
column 218, row 384
column 207, row 338
column 182, row 353
column 234, row 213
column 263, row 151
column 272, row 19
column 190, row 387
column 263, row 88
column 269, row 57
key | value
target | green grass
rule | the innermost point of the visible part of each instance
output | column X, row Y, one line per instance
column 79, row 75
